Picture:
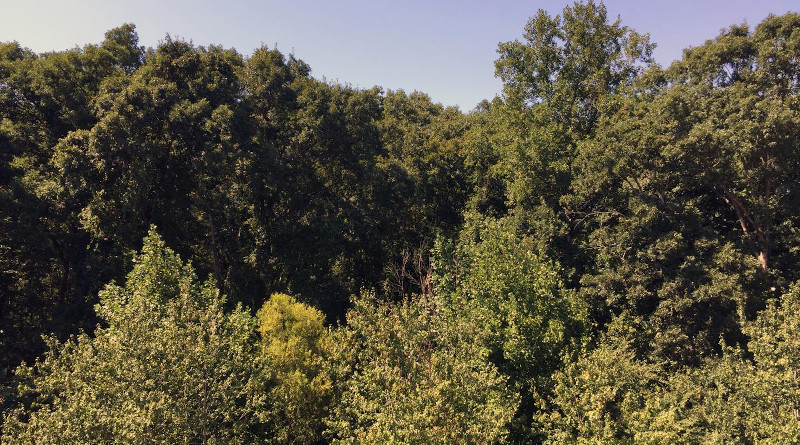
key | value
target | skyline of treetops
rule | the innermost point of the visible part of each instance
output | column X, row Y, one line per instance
column 202, row 246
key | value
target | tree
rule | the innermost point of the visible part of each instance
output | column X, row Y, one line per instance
column 426, row 140
column 559, row 81
column 170, row 366
column 737, row 398
column 569, row 65
column 165, row 151
column 740, row 397
column 683, row 193
column 329, row 244
column 741, row 90
column 411, row 373
column 597, row 397
column 426, row 180
column 522, row 313
column 123, row 43
column 295, row 346
column 49, row 273
column 774, row 403
column 656, row 236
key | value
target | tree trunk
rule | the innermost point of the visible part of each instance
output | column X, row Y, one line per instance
column 763, row 259
column 753, row 227
column 215, row 254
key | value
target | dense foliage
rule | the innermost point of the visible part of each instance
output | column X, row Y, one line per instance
column 607, row 253
column 171, row 366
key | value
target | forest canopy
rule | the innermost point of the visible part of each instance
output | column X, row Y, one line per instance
column 200, row 246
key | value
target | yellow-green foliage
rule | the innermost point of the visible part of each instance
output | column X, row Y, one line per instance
column 598, row 396
column 410, row 373
column 609, row 396
column 172, row 366
column 294, row 345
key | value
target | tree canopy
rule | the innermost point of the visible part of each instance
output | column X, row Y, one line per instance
column 201, row 246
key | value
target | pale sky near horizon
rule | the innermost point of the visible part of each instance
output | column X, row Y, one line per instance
column 445, row 48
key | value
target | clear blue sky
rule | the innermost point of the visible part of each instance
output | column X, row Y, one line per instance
column 444, row 48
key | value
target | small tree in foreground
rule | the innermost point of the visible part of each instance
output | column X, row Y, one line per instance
column 171, row 366
column 294, row 346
